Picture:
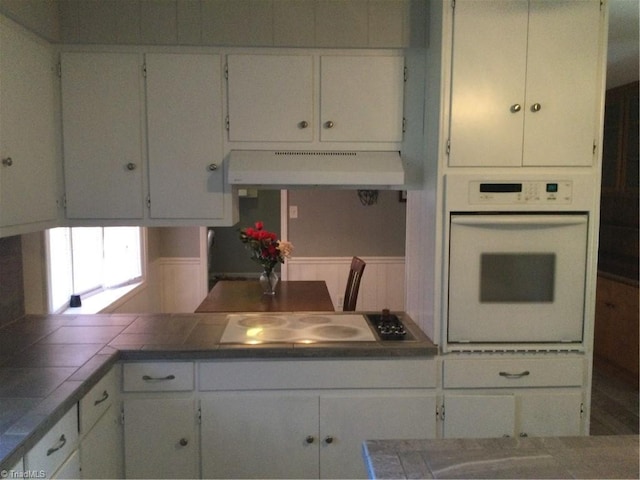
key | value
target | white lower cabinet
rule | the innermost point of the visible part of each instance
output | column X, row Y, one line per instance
column 52, row 456
column 308, row 418
column 160, row 420
column 100, row 429
column 512, row 397
column 305, row 434
column 160, row 438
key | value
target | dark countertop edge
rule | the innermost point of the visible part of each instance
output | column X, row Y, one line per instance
column 99, row 365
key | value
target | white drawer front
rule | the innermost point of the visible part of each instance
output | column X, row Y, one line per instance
column 157, row 376
column 517, row 372
column 97, row 401
column 55, row 447
column 315, row 374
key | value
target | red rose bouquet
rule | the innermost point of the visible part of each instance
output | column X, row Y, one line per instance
column 265, row 247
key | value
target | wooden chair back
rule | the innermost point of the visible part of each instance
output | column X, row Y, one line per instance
column 353, row 284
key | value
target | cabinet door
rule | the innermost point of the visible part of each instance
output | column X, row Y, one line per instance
column 550, row 415
column 160, row 438
column 347, row 420
column 102, row 105
column 270, row 98
column 101, row 448
column 487, row 82
column 562, row 78
column 184, row 121
column 361, row 98
column 28, row 176
column 478, row 416
column 259, row 435
column 70, row 468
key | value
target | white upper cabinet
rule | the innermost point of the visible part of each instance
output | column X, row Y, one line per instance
column 28, row 144
column 361, row 98
column 315, row 98
column 102, row 124
column 184, row 121
column 525, row 82
column 270, row 98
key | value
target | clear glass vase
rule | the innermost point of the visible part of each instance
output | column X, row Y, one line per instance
column 268, row 280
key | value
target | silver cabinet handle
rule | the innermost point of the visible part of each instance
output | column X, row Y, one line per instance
column 310, row 439
column 303, row 124
column 536, row 107
column 131, row 166
column 328, row 439
column 328, row 124
column 105, row 395
column 183, row 442
column 515, row 108
column 7, row 162
column 148, row 378
column 514, row 375
column 62, row 441
column 213, row 167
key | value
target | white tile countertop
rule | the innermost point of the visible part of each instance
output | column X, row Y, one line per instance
column 542, row 457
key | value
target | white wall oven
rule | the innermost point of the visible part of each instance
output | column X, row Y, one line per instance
column 517, row 262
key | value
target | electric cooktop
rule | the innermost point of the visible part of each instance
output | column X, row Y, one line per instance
column 296, row 328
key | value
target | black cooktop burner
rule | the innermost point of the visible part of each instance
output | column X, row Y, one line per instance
column 389, row 326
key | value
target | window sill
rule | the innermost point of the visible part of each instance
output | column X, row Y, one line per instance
column 103, row 300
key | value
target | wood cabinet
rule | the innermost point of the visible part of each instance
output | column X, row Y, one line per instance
column 28, row 143
column 102, row 126
column 620, row 151
column 525, row 79
column 512, row 397
column 275, row 98
column 305, row 435
column 160, row 420
column 616, row 324
column 184, row 121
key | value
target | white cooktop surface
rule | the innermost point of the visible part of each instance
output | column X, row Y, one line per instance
column 296, row 328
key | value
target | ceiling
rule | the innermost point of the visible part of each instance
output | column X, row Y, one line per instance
column 623, row 52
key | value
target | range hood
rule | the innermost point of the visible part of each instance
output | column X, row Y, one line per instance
column 291, row 168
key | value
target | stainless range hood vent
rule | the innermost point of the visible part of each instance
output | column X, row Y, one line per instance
column 291, row 168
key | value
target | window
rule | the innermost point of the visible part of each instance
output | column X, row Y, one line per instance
column 89, row 260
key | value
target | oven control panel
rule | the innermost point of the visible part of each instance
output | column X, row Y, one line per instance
column 533, row 192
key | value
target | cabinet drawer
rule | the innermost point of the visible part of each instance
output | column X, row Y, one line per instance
column 97, row 401
column 54, row 448
column 316, row 374
column 157, row 377
column 517, row 372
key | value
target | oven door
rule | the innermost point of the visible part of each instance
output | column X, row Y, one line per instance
column 516, row 278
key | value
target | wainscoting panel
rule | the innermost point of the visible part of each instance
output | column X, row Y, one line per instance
column 183, row 285
column 382, row 283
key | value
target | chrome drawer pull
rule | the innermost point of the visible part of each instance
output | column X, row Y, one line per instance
column 105, row 395
column 147, row 378
column 61, row 443
column 514, row 375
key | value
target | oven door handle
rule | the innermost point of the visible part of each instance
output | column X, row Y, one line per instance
column 514, row 375
column 533, row 220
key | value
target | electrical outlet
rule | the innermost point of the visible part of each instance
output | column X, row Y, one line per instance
column 293, row 211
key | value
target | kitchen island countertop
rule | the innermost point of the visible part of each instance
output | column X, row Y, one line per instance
column 49, row 362
column 542, row 457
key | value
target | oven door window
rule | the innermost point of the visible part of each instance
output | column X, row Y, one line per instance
column 516, row 278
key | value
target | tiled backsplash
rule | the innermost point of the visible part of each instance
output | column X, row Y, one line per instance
column 11, row 286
